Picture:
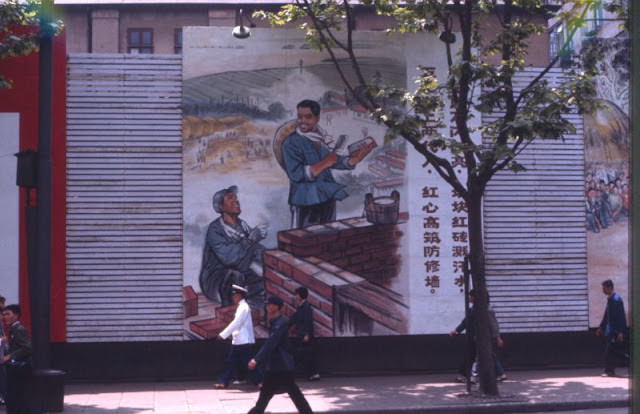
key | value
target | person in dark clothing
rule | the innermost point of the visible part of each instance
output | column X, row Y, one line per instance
column 302, row 319
column 470, row 326
column 277, row 361
column 18, row 362
column 614, row 328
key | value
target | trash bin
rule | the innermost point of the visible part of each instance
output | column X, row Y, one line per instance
column 49, row 389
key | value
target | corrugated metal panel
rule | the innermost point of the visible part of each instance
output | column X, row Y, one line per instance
column 124, row 198
column 535, row 237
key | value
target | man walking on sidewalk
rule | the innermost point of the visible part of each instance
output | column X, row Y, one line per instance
column 304, row 343
column 614, row 328
column 278, row 362
column 465, row 370
column 241, row 329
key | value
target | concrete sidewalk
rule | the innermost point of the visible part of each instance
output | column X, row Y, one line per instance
column 530, row 391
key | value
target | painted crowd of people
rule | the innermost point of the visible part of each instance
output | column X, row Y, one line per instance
column 607, row 197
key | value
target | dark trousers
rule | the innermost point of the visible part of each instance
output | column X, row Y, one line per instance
column 237, row 360
column 304, row 216
column 614, row 353
column 497, row 362
column 18, row 400
column 275, row 382
column 305, row 357
column 469, row 359
column 3, row 382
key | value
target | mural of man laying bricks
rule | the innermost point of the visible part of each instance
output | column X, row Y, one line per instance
column 308, row 161
column 232, row 253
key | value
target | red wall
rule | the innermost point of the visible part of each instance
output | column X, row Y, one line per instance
column 23, row 98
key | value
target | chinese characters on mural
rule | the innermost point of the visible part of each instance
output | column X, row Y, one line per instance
column 435, row 229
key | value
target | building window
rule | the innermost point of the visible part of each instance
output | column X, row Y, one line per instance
column 556, row 40
column 596, row 22
column 177, row 41
column 140, row 41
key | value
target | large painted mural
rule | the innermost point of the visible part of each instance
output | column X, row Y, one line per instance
column 607, row 179
column 261, row 209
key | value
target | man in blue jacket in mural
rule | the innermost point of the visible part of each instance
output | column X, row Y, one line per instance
column 614, row 328
column 308, row 159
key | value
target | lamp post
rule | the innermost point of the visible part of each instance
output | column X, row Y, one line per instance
column 635, row 203
column 240, row 31
column 40, row 283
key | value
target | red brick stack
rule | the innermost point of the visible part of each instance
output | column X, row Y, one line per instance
column 210, row 328
column 367, row 249
column 190, row 301
column 343, row 264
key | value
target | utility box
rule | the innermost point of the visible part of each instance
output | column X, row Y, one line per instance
column 27, row 169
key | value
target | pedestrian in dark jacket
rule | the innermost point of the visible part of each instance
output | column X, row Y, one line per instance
column 614, row 328
column 18, row 362
column 302, row 319
column 277, row 361
column 470, row 325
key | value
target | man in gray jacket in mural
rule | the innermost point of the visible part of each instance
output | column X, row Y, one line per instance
column 232, row 253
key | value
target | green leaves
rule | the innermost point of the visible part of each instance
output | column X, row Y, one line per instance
column 493, row 37
column 288, row 13
column 328, row 15
column 19, row 24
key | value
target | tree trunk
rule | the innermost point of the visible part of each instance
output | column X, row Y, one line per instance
column 484, row 341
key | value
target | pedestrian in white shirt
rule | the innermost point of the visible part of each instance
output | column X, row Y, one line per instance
column 241, row 331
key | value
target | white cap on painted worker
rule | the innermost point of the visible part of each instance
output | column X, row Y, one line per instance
column 238, row 289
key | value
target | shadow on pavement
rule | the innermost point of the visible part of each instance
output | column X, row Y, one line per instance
column 529, row 390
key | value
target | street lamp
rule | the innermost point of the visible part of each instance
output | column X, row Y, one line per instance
column 240, row 31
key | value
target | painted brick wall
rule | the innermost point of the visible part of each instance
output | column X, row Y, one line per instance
column 345, row 265
column 369, row 250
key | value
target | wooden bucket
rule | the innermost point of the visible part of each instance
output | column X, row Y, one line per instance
column 382, row 210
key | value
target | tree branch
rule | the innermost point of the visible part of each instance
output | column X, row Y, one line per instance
column 441, row 165
column 531, row 84
column 314, row 19
column 461, row 113
column 352, row 55
column 511, row 106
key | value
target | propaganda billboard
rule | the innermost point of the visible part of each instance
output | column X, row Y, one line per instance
column 288, row 182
